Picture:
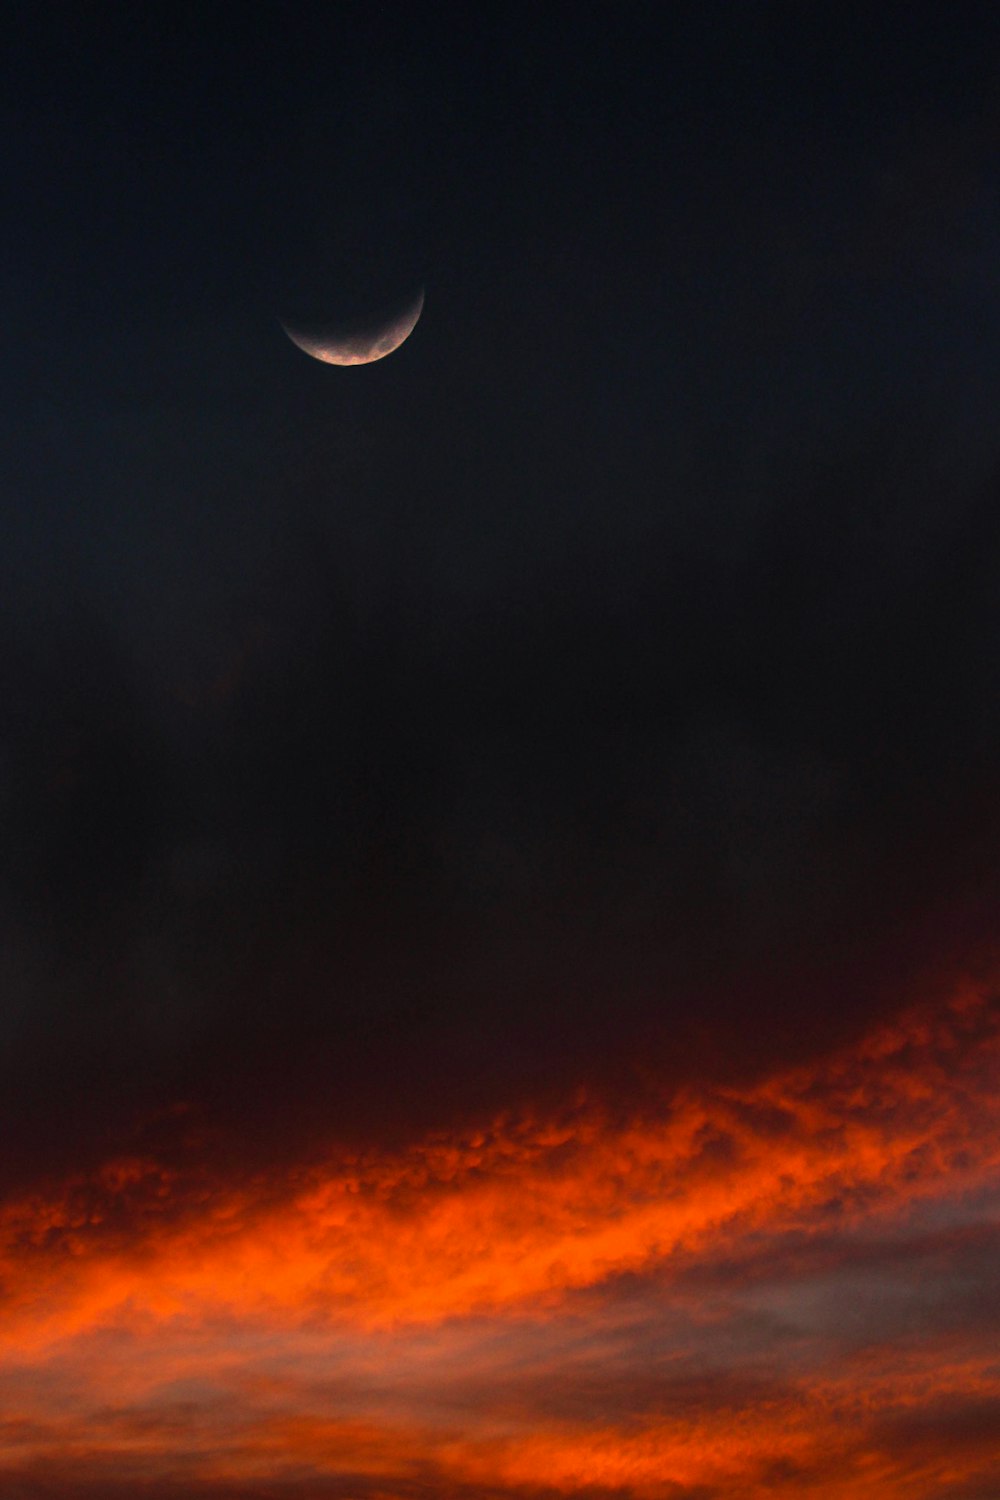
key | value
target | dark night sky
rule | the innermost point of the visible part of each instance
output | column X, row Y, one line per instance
column 604, row 682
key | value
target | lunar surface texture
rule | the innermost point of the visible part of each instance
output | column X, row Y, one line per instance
column 361, row 341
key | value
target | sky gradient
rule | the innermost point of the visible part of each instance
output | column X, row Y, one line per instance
column 498, row 865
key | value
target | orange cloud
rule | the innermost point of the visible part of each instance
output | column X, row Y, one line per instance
column 751, row 1289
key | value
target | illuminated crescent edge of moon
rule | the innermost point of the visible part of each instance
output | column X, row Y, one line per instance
column 359, row 349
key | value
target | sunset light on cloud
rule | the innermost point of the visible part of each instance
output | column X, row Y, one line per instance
column 500, row 818
column 790, row 1286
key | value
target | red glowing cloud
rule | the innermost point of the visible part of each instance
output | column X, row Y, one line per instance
column 790, row 1287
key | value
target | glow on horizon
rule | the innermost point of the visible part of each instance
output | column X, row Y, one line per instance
column 782, row 1286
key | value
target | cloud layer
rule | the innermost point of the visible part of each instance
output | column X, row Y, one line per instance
column 790, row 1286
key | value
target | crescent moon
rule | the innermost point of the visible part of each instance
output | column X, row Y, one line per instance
column 358, row 343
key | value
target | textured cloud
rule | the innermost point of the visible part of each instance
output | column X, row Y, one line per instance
column 788, row 1286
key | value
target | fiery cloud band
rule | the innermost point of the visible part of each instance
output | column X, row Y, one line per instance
column 785, row 1287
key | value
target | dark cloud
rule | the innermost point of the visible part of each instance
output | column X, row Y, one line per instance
column 51, row 1484
column 959, row 1426
column 378, row 843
